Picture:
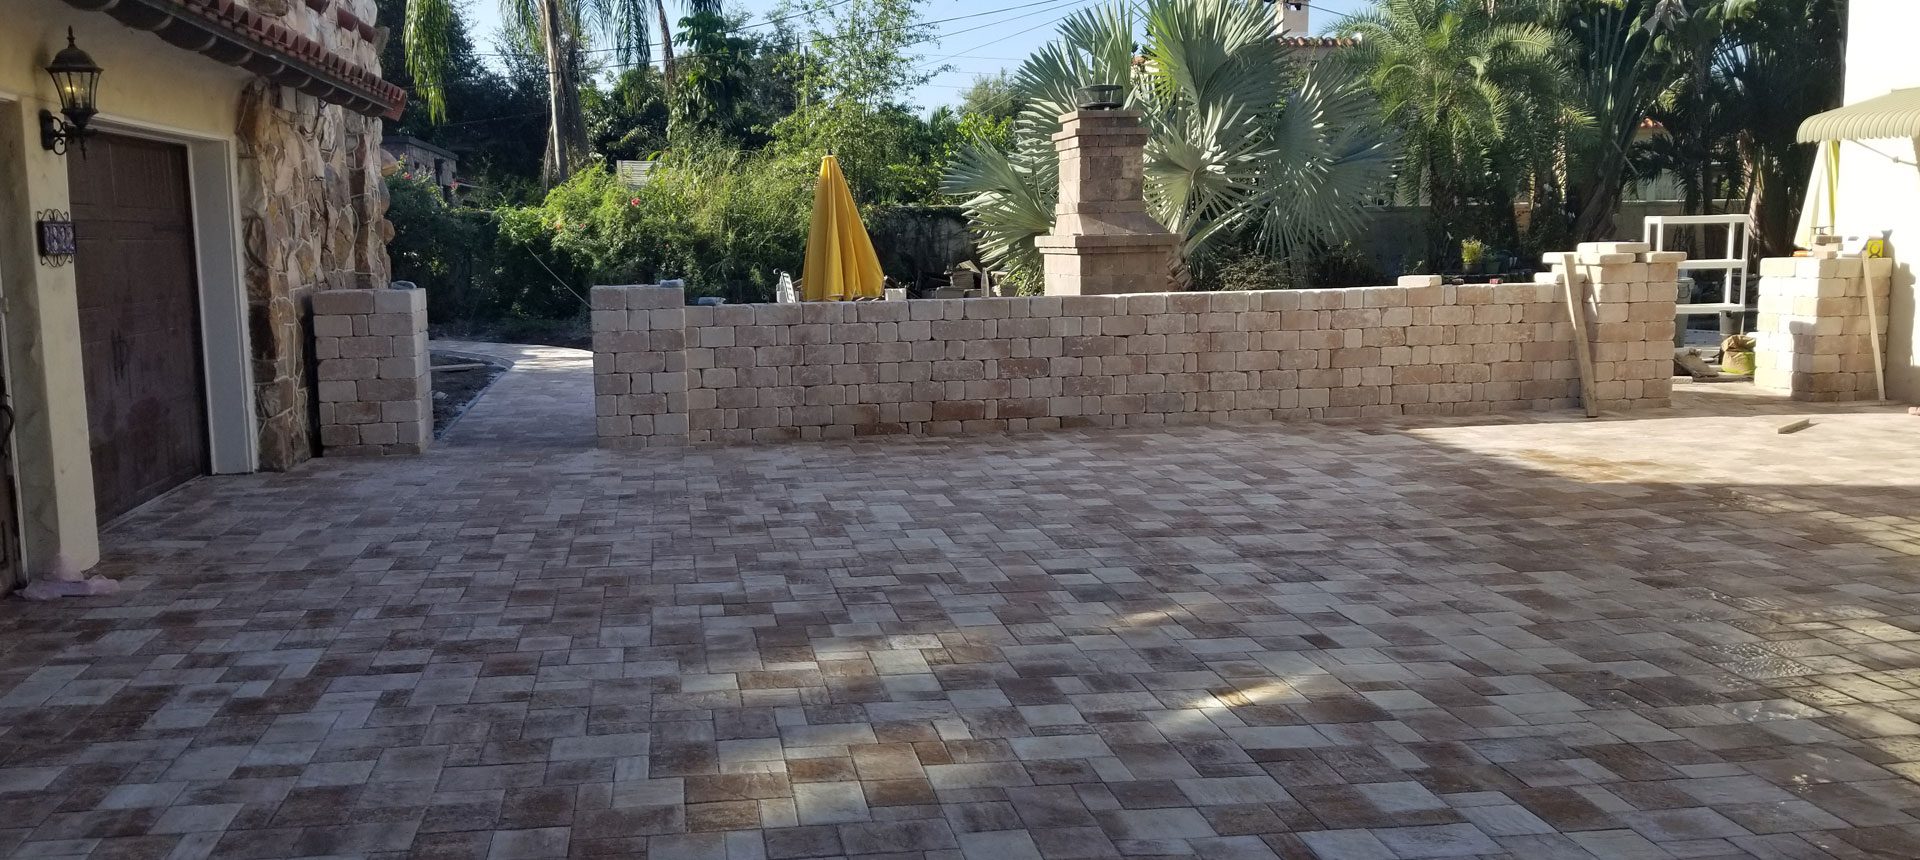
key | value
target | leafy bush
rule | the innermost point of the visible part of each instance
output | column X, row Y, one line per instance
column 454, row 253
column 724, row 221
column 1247, row 271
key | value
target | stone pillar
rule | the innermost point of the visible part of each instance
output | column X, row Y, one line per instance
column 1629, row 315
column 376, row 392
column 313, row 217
column 1103, row 240
column 1812, row 340
column 640, row 365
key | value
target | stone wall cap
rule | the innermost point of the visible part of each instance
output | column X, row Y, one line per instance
column 1051, row 243
column 1106, row 135
column 1084, row 114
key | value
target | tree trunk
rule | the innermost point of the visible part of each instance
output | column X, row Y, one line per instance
column 666, row 47
column 566, row 126
column 1597, row 212
column 555, row 167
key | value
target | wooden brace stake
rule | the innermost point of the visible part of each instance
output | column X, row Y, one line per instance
column 1582, row 346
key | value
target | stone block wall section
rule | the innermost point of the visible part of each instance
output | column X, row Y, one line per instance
column 666, row 374
column 376, row 394
column 1811, row 340
column 1630, row 319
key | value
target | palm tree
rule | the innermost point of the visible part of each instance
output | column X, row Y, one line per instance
column 558, row 29
column 1237, row 142
column 1482, row 96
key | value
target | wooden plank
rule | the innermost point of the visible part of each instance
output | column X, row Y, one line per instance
column 1576, row 293
column 1794, row 426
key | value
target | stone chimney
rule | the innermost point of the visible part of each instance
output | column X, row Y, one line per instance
column 1103, row 241
column 1292, row 18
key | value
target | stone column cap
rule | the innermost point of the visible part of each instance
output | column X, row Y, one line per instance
column 1108, row 243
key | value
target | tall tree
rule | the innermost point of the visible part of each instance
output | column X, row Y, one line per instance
column 498, row 135
column 855, row 76
column 1482, row 96
column 1622, row 70
column 561, row 30
column 1787, row 63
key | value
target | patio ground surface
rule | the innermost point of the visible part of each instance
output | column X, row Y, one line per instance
column 1678, row 634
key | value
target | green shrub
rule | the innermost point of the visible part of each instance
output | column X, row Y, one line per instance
column 726, row 222
column 456, row 255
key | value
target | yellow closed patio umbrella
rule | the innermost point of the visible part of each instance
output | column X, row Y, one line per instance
column 841, row 265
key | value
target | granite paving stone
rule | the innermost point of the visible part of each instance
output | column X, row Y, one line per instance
column 1674, row 633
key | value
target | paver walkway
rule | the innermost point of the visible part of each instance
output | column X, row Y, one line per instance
column 1680, row 635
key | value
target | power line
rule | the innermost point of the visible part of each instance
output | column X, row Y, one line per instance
column 830, row 39
column 767, row 23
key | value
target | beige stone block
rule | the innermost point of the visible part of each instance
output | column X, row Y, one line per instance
column 390, row 325
column 339, row 435
column 606, row 298
column 332, row 326
column 366, row 347
column 404, row 367
column 381, row 433
column 348, row 368
column 335, row 302
column 777, row 315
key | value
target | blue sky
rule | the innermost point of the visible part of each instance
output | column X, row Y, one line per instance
column 971, row 47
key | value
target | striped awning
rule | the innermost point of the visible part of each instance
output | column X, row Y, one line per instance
column 1896, row 114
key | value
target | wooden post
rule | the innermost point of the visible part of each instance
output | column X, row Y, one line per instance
column 1582, row 345
column 1873, row 325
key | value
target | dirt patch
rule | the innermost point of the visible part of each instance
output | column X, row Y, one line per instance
column 455, row 389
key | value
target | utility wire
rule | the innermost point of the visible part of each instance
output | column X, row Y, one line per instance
column 829, row 39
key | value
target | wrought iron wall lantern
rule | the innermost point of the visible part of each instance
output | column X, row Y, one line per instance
column 76, row 77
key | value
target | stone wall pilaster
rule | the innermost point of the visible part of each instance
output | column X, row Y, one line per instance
column 1103, row 241
column 313, row 218
column 1629, row 318
column 1812, row 340
column 640, row 364
column 376, row 391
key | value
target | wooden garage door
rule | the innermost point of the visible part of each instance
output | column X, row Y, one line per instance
column 139, row 319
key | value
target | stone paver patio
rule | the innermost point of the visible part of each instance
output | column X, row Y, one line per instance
column 1680, row 635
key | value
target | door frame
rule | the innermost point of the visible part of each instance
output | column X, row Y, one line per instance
column 225, row 354
column 13, row 564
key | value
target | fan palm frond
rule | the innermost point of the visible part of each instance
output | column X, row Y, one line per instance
column 1231, row 145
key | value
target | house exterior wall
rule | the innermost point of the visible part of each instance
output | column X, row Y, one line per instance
column 194, row 97
column 1880, row 179
column 666, row 374
column 286, row 199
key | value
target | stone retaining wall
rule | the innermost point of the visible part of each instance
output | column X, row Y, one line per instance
column 376, row 392
column 1811, row 340
column 669, row 374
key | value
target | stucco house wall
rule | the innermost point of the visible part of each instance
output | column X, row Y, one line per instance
column 1880, row 179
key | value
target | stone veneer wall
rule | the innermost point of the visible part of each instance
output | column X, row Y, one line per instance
column 666, row 374
column 1811, row 340
column 376, row 395
column 313, row 217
